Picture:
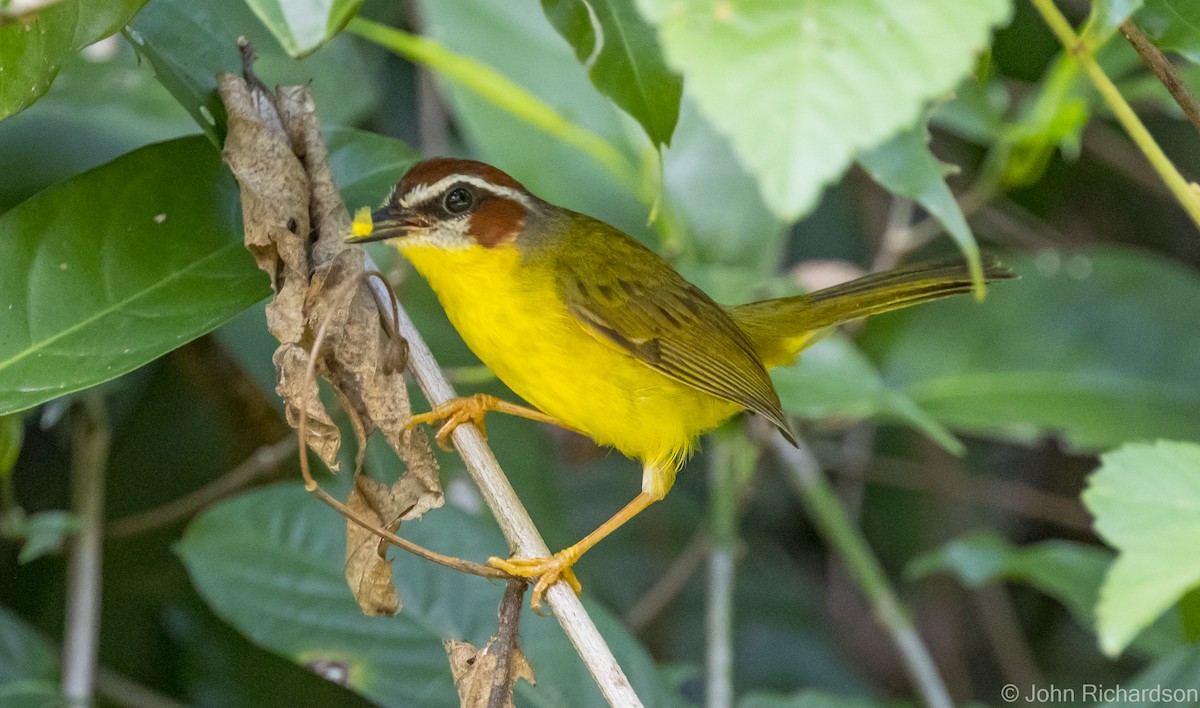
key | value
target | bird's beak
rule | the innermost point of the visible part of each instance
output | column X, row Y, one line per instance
column 388, row 223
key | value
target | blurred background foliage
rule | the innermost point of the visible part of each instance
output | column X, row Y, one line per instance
column 779, row 146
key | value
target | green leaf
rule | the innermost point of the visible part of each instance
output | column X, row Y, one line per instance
column 833, row 379
column 800, row 87
column 905, row 166
column 1066, row 571
column 189, row 42
column 1144, row 497
column 1051, row 119
column 44, row 533
column 1173, row 25
column 99, row 108
column 1106, row 17
column 25, row 655
column 33, row 48
column 1080, row 346
column 301, row 26
column 1189, row 612
column 271, row 563
column 621, row 53
column 117, row 266
column 1173, row 679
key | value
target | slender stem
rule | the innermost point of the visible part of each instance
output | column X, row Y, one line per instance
column 830, row 519
column 670, row 583
column 1164, row 70
column 506, row 641
column 1002, row 627
column 718, row 621
column 896, row 240
column 1187, row 197
column 90, row 437
column 258, row 464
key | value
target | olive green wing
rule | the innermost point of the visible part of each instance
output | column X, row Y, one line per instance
column 647, row 309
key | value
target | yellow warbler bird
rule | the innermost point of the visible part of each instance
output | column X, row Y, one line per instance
column 600, row 333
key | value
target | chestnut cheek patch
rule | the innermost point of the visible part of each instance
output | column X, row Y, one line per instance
column 497, row 221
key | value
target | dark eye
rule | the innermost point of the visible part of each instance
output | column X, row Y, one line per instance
column 458, row 200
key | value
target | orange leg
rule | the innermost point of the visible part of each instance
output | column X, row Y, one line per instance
column 470, row 409
column 550, row 569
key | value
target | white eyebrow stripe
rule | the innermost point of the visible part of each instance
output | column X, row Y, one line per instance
column 424, row 192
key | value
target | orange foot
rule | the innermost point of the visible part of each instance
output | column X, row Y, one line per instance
column 547, row 570
column 456, row 411
column 470, row 409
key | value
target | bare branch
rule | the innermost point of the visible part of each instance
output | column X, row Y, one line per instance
column 90, row 438
column 1164, row 70
column 260, row 463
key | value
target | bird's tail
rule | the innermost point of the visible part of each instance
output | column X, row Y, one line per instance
column 781, row 328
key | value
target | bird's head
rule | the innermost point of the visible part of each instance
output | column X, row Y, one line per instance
column 453, row 204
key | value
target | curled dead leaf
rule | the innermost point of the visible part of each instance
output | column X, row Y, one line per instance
column 368, row 570
column 295, row 224
column 477, row 671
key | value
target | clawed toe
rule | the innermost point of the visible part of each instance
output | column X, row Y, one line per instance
column 548, row 571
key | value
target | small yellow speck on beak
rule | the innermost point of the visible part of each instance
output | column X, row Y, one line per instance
column 362, row 225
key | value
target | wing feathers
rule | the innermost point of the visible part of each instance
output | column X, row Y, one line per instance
column 646, row 308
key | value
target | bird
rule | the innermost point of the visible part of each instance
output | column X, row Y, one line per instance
column 599, row 334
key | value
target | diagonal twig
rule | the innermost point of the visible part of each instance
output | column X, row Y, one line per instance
column 506, row 641
column 1164, row 70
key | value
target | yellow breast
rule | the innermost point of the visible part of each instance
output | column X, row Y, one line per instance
column 511, row 315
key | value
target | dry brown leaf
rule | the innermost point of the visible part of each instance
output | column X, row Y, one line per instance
column 368, row 570
column 295, row 224
column 476, row 672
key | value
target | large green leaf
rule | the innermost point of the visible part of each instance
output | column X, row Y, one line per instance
column 621, row 53
column 1145, row 497
column 303, row 25
column 117, row 266
column 98, row 109
column 33, row 48
column 1174, row 25
column 271, row 563
column 1098, row 346
column 799, row 87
